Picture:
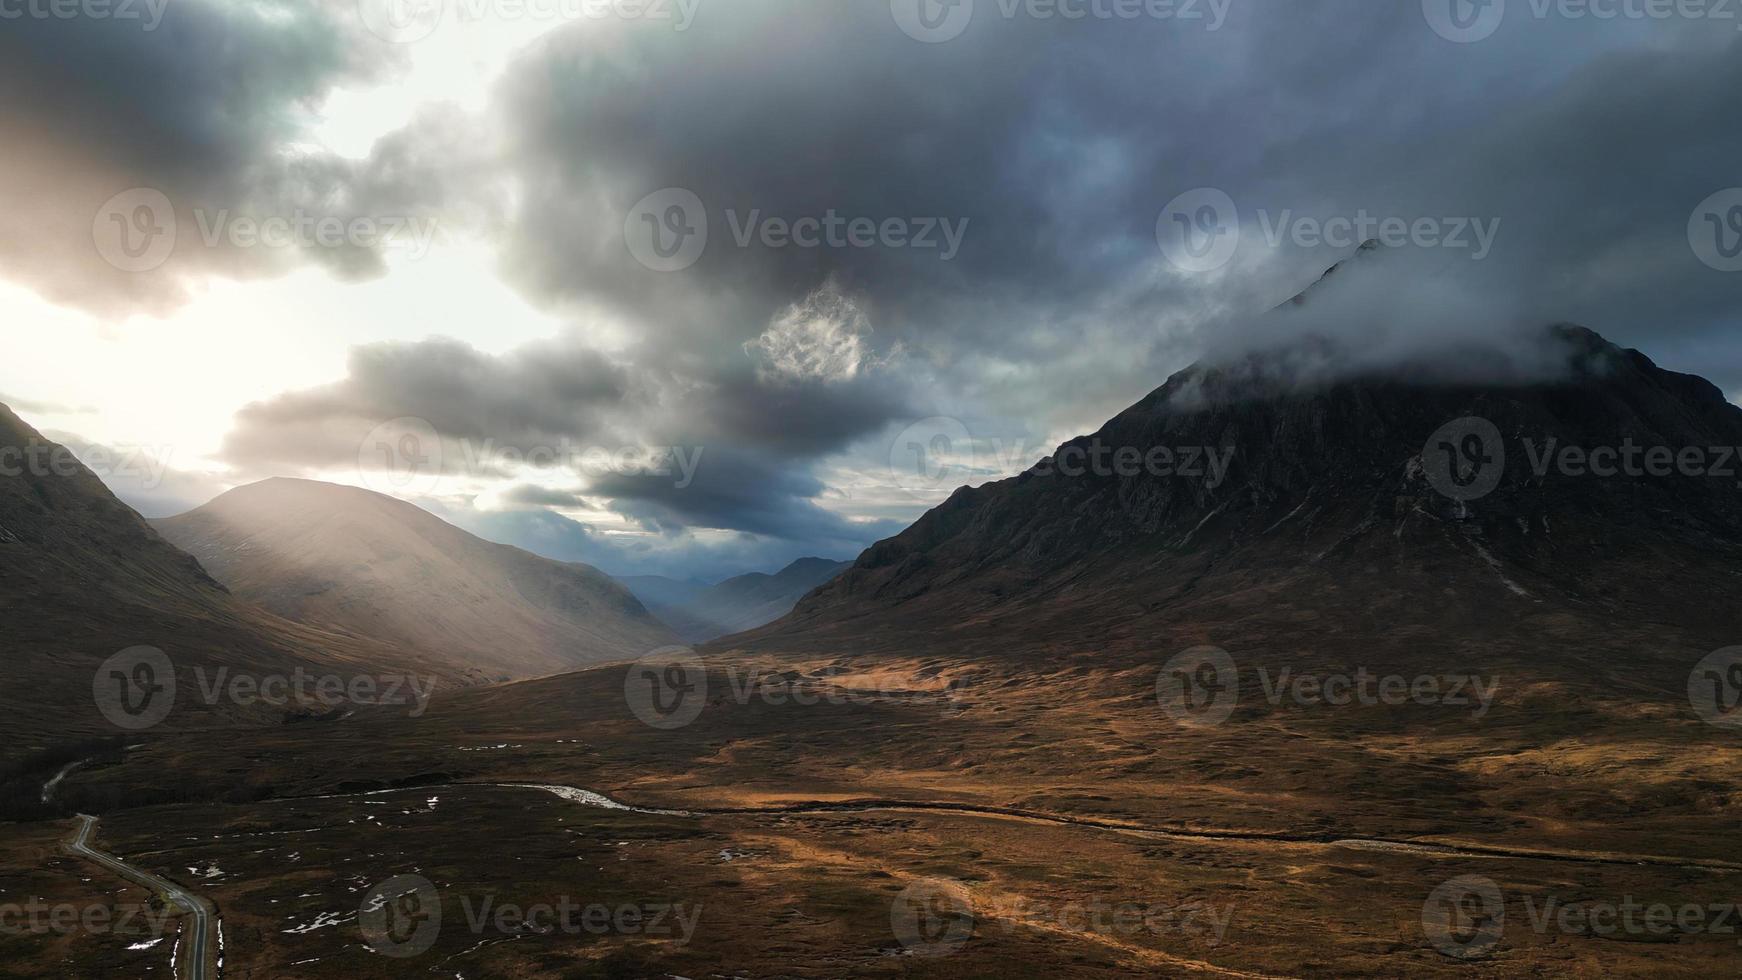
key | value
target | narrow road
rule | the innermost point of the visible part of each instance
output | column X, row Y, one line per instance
column 202, row 915
column 1422, row 847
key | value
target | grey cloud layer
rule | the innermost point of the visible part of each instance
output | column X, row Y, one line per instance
column 201, row 108
column 1059, row 143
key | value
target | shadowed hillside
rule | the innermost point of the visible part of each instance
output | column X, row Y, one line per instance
column 349, row 558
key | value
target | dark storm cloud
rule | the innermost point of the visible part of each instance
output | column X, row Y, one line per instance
column 788, row 111
column 1588, row 187
column 1060, row 143
column 535, row 396
column 198, row 108
column 731, row 490
column 1053, row 145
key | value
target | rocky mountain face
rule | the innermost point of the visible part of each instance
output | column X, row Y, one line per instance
column 351, row 559
column 1418, row 499
column 703, row 612
column 83, row 577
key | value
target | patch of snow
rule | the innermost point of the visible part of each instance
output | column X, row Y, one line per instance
column 322, row 921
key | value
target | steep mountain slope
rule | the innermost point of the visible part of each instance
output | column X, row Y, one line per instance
column 1329, row 494
column 1079, row 609
column 700, row 613
column 83, row 577
column 348, row 558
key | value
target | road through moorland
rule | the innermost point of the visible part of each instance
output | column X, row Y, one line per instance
column 200, row 912
column 1422, row 847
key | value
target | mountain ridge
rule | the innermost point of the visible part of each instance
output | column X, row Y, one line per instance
column 84, row 577
column 375, row 565
column 1327, row 472
column 700, row 612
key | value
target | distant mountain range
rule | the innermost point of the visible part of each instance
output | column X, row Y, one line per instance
column 348, row 558
column 701, row 612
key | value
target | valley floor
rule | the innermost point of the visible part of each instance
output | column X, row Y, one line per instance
column 808, row 831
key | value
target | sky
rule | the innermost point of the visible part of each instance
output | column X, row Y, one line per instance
column 696, row 287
